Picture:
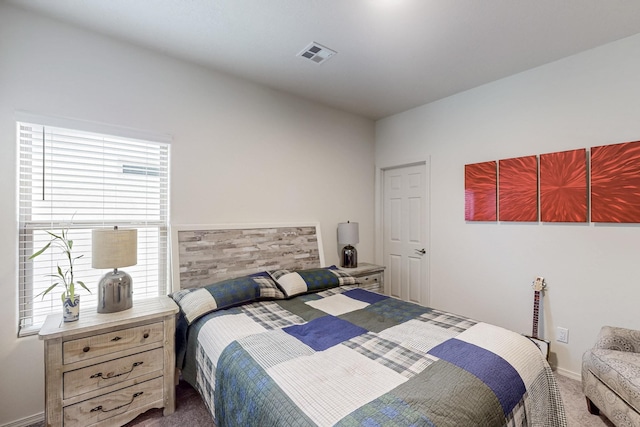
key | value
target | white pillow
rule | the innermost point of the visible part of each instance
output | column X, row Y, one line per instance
column 292, row 284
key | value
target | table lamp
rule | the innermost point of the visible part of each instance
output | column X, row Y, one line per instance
column 114, row 248
column 348, row 235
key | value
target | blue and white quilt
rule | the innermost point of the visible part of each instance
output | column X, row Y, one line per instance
column 349, row 357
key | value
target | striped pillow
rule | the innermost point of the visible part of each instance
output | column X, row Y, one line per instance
column 196, row 302
column 312, row 280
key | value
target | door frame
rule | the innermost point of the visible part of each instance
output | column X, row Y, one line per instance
column 379, row 218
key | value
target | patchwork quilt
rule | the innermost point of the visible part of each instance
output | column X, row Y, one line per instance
column 349, row 357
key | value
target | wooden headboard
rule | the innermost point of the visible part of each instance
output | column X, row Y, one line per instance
column 205, row 254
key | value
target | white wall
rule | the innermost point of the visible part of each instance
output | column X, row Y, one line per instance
column 484, row 270
column 240, row 153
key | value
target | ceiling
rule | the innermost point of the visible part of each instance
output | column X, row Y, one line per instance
column 392, row 55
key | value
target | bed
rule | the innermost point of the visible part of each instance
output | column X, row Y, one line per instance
column 270, row 336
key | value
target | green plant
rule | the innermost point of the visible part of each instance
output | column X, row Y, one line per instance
column 65, row 244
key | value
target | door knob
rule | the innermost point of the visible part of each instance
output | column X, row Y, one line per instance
column 421, row 251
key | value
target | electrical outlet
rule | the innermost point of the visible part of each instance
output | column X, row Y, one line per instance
column 562, row 335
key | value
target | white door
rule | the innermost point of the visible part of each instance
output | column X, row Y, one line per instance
column 405, row 226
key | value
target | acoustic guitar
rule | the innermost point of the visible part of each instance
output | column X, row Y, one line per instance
column 544, row 345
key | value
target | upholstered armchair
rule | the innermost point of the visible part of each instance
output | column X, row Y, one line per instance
column 611, row 376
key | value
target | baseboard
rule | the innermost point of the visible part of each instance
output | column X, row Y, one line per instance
column 24, row 422
column 569, row 374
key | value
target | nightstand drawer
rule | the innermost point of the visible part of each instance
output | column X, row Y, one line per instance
column 102, row 408
column 371, row 281
column 99, row 345
column 368, row 276
column 105, row 374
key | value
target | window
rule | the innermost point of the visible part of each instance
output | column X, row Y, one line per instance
column 84, row 180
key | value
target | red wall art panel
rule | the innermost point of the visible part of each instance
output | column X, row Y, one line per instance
column 480, row 185
column 615, row 183
column 518, row 189
column 563, row 186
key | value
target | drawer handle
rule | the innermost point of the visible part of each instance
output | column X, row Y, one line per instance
column 116, row 339
column 86, row 349
column 99, row 408
column 110, row 374
column 146, row 335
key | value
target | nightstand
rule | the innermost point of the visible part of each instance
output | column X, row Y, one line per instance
column 106, row 369
column 369, row 276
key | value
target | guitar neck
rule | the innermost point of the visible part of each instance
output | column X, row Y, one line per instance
column 536, row 312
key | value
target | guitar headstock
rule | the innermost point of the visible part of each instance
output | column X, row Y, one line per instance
column 539, row 284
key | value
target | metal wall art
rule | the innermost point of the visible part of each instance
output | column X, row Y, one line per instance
column 518, row 189
column 508, row 189
column 615, row 183
column 563, row 186
column 480, row 190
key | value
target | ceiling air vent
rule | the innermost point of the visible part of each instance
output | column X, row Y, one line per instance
column 317, row 53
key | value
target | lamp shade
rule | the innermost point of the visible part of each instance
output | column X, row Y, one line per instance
column 114, row 248
column 348, row 233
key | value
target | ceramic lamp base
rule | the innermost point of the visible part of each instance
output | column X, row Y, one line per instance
column 114, row 292
column 349, row 257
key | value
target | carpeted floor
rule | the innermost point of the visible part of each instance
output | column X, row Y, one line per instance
column 575, row 405
column 191, row 411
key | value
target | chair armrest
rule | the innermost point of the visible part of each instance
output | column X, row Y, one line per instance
column 621, row 339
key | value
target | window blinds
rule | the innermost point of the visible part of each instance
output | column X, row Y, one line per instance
column 81, row 180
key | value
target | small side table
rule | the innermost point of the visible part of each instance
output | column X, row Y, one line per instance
column 105, row 369
column 369, row 276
